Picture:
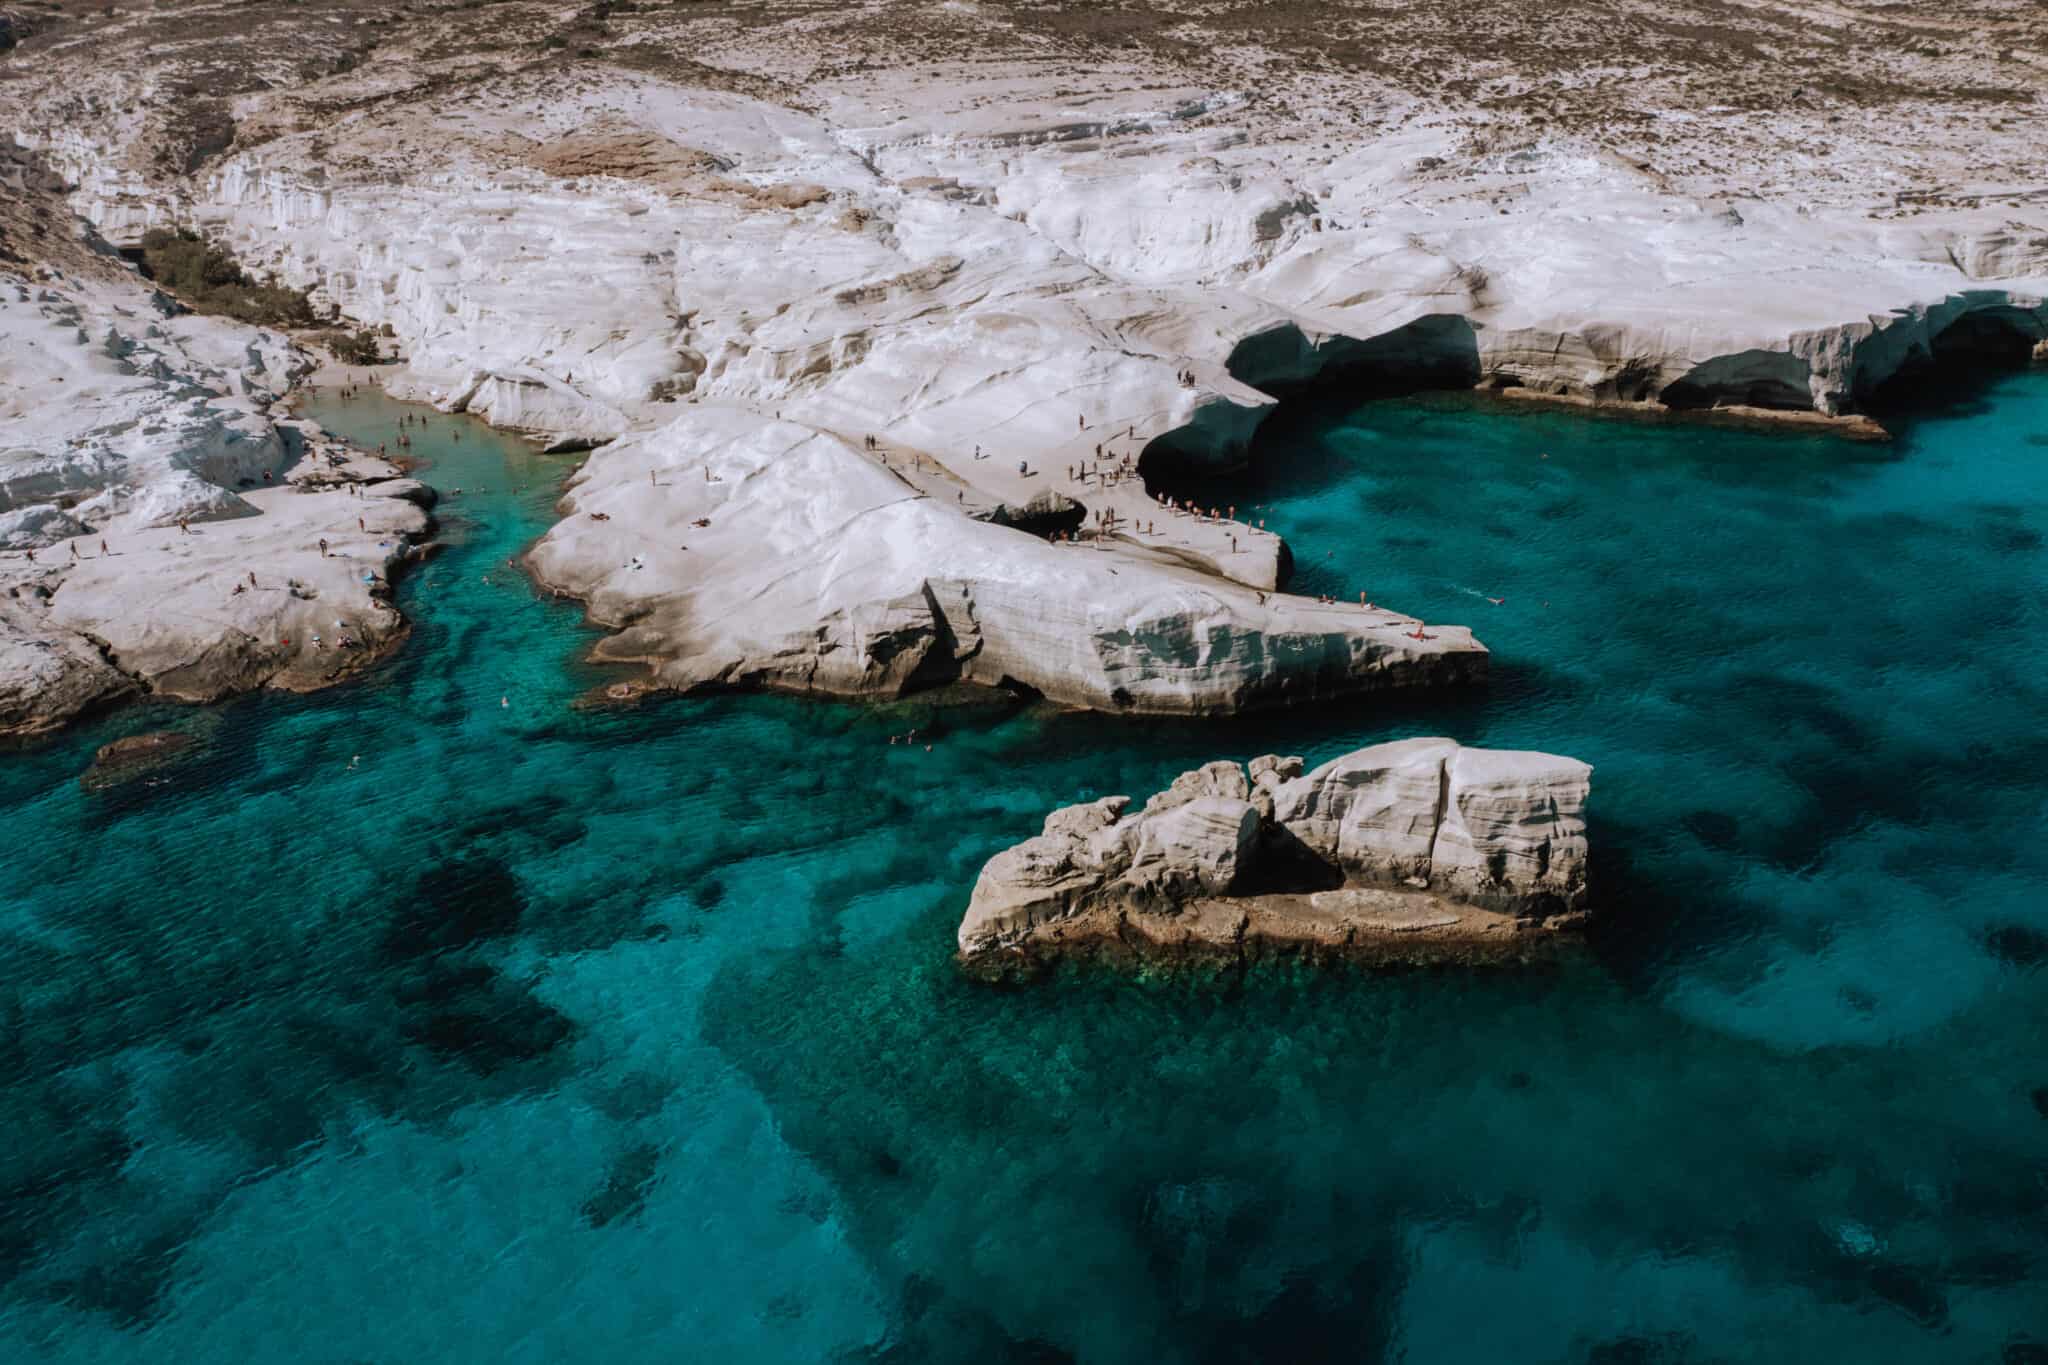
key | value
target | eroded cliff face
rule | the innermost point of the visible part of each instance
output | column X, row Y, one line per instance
column 1420, row 836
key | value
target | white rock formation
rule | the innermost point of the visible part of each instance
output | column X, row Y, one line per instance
column 1495, row 827
column 1018, row 277
column 816, row 568
column 1424, row 819
column 160, row 521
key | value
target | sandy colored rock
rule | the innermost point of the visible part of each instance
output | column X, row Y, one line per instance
column 1460, row 850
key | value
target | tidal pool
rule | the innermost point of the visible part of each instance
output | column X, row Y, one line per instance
column 434, row 1019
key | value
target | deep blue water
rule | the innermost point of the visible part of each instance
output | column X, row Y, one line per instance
column 548, row 1034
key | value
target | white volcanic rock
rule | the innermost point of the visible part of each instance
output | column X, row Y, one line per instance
column 1374, row 812
column 120, row 419
column 1156, row 861
column 1194, row 849
column 817, row 568
column 1019, row 279
column 1495, row 827
column 1423, row 818
column 1512, row 831
column 48, row 676
column 177, row 611
column 1500, row 828
column 118, row 414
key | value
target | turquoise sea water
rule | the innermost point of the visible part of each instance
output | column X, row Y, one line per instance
column 557, row 1035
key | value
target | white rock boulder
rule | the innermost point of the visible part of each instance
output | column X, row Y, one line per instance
column 1423, row 819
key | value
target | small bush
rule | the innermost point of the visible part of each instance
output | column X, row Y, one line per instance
column 354, row 348
column 206, row 278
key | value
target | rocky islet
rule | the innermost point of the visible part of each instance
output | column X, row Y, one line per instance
column 1419, row 849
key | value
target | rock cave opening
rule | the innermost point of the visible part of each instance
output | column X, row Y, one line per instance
column 1976, row 349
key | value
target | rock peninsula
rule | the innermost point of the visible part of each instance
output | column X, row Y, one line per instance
column 894, row 340
column 1417, row 850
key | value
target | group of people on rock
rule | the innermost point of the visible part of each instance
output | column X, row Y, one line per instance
column 1117, row 473
column 1187, row 507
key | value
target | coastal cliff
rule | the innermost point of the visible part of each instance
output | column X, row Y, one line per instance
column 936, row 326
column 1419, row 849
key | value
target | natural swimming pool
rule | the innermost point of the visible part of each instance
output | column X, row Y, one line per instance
column 559, row 1034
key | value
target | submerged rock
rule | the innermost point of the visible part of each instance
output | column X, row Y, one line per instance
column 129, row 758
column 1418, row 848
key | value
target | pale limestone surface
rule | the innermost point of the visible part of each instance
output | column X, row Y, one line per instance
column 1437, row 825
column 1496, row 827
column 120, row 420
column 821, row 570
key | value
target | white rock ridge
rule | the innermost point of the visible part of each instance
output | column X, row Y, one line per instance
column 1421, row 827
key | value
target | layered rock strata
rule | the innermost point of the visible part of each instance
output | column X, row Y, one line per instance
column 728, row 549
column 1418, row 849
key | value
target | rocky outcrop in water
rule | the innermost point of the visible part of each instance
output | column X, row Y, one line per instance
column 1420, row 847
column 134, row 756
column 731, row 551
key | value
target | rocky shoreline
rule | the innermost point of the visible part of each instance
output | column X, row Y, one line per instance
column 1418, row 850
column 167, row 527
column 922, row 449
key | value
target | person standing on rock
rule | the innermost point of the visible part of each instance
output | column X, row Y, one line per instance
column 323, row 547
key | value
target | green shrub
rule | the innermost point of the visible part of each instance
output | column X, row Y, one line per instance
column 354, row 348
column 206, row 278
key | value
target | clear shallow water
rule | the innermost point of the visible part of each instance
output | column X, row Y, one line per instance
column 559, row 1035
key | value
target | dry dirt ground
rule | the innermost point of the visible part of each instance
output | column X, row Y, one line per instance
column 1888, row 106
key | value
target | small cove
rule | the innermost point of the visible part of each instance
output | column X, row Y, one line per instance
column 558, row 1034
